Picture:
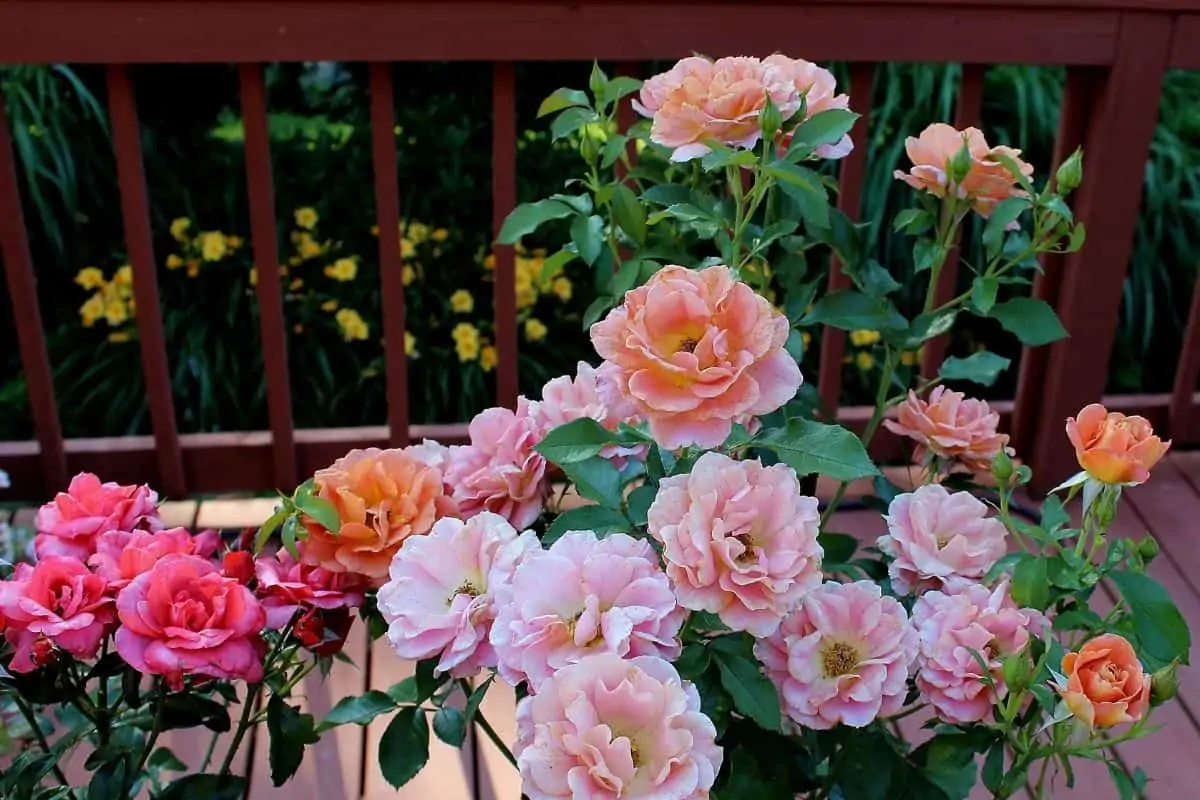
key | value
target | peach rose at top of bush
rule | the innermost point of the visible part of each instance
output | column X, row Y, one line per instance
column 935, row 535
column 382, row 497
column 123, row 555
column 440, row 598
column 818, row 86
column 608, row 728
column 842, row 657
column 1114, row 448
column 951, row 425
column 988, row 182
column 695, row 352
column 69, row 524
column 58, row 600
column 739, row 540
column 1104, row 684
column 591, row 394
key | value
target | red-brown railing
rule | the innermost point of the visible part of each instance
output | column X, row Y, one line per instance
column 1116, row 51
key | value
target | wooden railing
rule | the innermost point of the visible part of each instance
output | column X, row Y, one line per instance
column 1116, row 51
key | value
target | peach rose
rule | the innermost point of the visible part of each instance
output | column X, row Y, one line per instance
column 819, row 89
column 58, row 601
column 952, row 426
column 1114, row 448
column 987, row 183
column 69, row 524
column 695, row 352
column 382, row 497
column 1104, row 684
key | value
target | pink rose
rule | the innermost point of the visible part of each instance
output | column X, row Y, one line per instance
column 499, row 471
column 286, row 585
column 695, row 352
column 57, row 600
column 952, row 623
column 934, row 535
column 608, row 728
column 819, row 88
column 842, row 657
column 739, row 540
column 584, row 595
column 123, row 555
column 184, row 618
column 951, row 426
column 69, row 524
column 441, row 597
column 592, row 394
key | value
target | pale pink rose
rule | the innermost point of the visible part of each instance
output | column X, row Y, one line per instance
column 842, row 657
column 184, row 617
column 565, row 400
column 286, row 585
column 934, row 535
column 123, row 555
column 69, row 524
column 952, row 426
column 440, row 600
column 739, row 540
column 819, row 88
column 584, row 595
column 697, row 102
column 607, row 728
column 695, row 352
column 953, row 622
column 57, row 600
column 430, row 453
column 499, row 471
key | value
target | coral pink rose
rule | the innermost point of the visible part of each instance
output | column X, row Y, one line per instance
column 286, row 585
column 592, row 394
column 184, row 617
column 584, row 595
column 57, row 600
column 1114, row 448
column 739, row 540
column 608, row 728
column 842, row 657
column 69, row 524
column 1105, row 684
column 951, row 426
column 123, row 555
column 934, row 535
column 952, row 626
column 499, row 471
column 987, row 183
column 440, row 599
column 695, row 352
column 819, row 88
column 382, row 497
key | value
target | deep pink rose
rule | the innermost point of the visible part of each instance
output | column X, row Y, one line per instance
column 57, row 600
column 69, row 524
column 123, row 555
column 184, row 617
column 285, row 586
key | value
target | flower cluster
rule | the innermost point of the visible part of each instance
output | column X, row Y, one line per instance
column 111, row 300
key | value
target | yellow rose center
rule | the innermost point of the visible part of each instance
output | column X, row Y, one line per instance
column 839, row 658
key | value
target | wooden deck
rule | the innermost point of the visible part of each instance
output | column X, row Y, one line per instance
column 342, row 764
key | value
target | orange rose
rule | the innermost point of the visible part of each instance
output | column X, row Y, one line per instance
column 382, row 497
column 987, row 183
column 1105, row 683
column 1114, row 448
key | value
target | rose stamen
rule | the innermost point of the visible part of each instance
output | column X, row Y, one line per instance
column 838, row 659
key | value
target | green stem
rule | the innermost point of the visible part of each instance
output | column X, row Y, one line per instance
column 1040, row 788
column 208, row 751
column 487, row 728
column 31, row 720
column 155, row 728
column 243, row 726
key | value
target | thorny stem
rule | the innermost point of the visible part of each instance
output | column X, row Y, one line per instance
column 243, row 726
column 31, row 720
column 487, row 728
column 155, row 729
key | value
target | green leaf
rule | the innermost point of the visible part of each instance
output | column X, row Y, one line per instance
column 983, row 293
column 1003, row 214
column 620, row 86
column 598, row 308
column 554, row 263
column 570, row 121
column 852, row 311
column 596, row 479
column 290, row 732
column 807, row 447
column 362, row 709
column 825, row 127
column 597, row 81
column 993, row 768
column 926, row 253
column 560, row 99
column 404, row 746
column 913, row 221
column 629, row 213
column 404, row 691
column 1031, row 583
column 586, row 518
column 863, row 767
column 875, row 280
column 190, row 710
column 1033, row 321
column 638, row 503
column 667, row 194
column 721, row 157
column 476, row 698
column 587, row 234
column 949, row 764
column 626, row 277
column 1160, row 629
column 924, row 328
column 981, row 367
column 577, row 440
column 753, row 693
column 323, row 512
column 528, row 217
column 210, row 787
column 838, row 547
column 804, row 187
column 613, row 148
column 450, row 725
column 287, row 535
column 269, row 527
column 163, row 760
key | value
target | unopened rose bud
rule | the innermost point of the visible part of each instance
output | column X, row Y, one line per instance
column 1148, row 548
column 1164, row 684
column 1070, row 173
column 43, row 652
column 309, row 630
column 960, row 164
column 1017, row 671
column 239, row 565
column 1002, row 467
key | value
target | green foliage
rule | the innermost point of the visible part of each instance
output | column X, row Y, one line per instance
column 404, row 746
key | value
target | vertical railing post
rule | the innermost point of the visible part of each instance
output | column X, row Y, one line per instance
column 504, row 199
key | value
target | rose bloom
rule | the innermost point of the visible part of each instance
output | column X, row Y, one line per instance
column 286, row 585
column 440, row 598
column 184, row 618
column 934, row 535
column 582, row 596
column 695, row 352
column 1114, row 448
column 819, row 88
column 739, row 540
column 57, row 600
column 382, row 497
column 69, row 524
column 608, row 728
column 1104, row 684
column 952, row 426
column 841, row 657
column 953, row 622
column 591, row 394
column 123, row 555
column 499, row 471
column 987, row 183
